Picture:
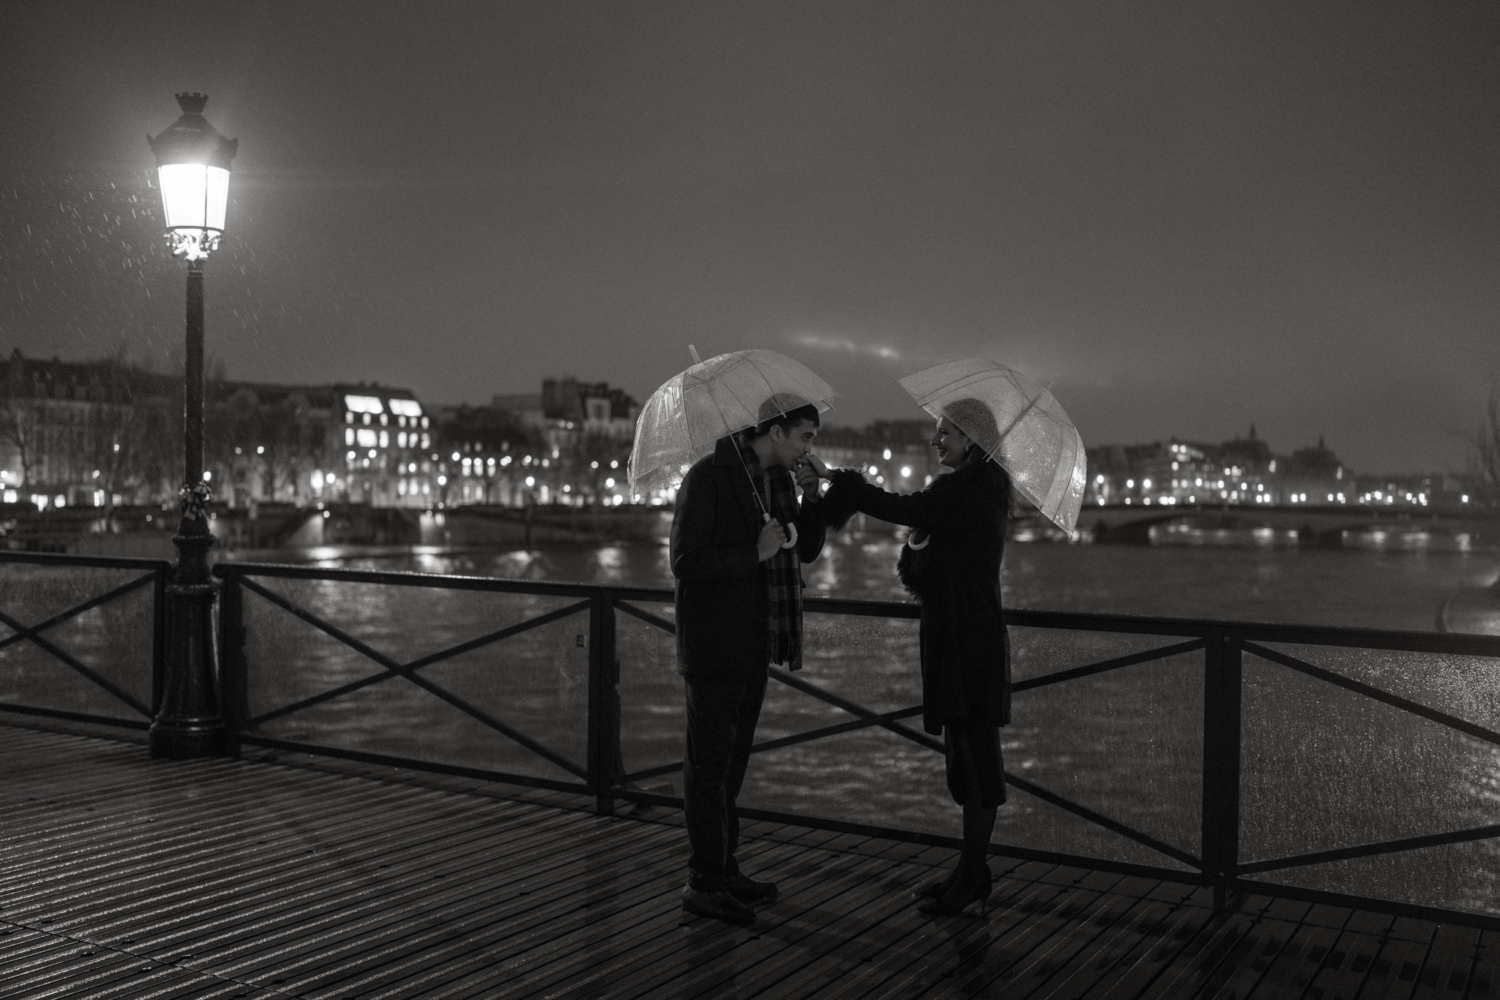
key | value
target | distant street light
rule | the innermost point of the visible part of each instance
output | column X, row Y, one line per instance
column 192, row 163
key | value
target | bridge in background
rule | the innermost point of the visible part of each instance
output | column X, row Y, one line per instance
column 1324, row 521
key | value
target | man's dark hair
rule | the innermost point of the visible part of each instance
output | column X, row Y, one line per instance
column 786, row 421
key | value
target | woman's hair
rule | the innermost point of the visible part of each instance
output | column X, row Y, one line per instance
column 782, row 410
column 976, row 420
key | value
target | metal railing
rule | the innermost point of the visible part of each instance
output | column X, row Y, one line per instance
column 121, row 707
column 1222, row 647
column 1219, row 652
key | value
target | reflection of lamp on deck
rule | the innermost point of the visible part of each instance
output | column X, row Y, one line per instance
column 192, row 161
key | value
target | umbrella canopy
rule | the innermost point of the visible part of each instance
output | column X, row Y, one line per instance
column 690, row 412
column 1017, row 422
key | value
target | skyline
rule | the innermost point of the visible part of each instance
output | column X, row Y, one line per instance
column 1193, row 220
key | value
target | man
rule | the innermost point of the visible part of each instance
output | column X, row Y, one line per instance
column 739, row 608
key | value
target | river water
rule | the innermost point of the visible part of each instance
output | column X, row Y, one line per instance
column 1323, row 767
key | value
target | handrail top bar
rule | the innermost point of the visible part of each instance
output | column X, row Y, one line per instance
column 448, row 581
column 103, row 562
column 1315, row 635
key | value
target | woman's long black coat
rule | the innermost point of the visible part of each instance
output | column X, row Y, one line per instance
column 965, row 649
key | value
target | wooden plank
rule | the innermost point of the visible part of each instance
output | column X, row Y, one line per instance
column 907, row 938
column 294, row 875
column 882, row 920
column 1304, row 954
column 1096, row 908
column 1135, row 931
column 942, row 947
column 382, row 934
column 187, row 885
column 1484, row 975
column 793, row 862
column 571, row 925
column 296, row 902
column 1239, row 974
column 1445, row 973
column 538, row 952
column 776, row 963
column 160, row 845
column 811, row 879
column 1393, row 974
column 1348, row 965
column 1183, row 924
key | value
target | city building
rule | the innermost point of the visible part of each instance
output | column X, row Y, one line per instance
column 385, row 439
column 895, row 454
column 95, row 433
column 569, row 444
column 107, row 433
column 1242, row 470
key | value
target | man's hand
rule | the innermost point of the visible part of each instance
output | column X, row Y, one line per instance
column 772, row 537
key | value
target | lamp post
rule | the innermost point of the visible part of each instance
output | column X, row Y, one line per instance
column 192, row 161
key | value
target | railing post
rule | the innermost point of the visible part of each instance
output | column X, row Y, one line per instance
column 233, row 682
column 158, row 635
column 1221, row 764
column 604, row 717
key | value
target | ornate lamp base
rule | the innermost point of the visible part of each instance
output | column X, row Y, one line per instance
column 188, row 723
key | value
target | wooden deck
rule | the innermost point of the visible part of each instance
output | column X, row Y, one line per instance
column 122, row 877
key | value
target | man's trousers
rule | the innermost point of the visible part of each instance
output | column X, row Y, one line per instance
column 721, row 717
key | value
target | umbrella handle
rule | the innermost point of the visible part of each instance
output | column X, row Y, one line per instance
column 917, row 546
column 791, row 533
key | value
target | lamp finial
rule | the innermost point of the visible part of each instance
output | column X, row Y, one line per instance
column 193, row 103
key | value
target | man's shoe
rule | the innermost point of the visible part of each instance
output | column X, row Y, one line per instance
column 749, row 890
column 717, row 905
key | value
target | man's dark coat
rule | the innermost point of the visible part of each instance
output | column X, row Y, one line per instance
column 964, row 646
column 721, row 582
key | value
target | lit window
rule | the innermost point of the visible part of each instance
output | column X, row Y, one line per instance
column 401, row 439
column 364, row 404
column 366, row 437
column 425, row 441
column 385, row 439
column 348, row 435
column 405, row 407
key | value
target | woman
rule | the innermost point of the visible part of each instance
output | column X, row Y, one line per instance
column 952, row 565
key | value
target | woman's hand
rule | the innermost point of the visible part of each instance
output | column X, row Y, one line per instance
column 809, row 470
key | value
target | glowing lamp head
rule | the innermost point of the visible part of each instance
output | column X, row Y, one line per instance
column 192, row 166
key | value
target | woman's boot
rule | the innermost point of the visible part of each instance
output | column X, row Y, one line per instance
column 972, row 881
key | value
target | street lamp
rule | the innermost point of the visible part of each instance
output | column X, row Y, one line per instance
column 192, row 162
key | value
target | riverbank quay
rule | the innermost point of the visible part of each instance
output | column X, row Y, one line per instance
column 285, row 875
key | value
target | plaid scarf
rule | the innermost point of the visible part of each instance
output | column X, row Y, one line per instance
column 783, row 570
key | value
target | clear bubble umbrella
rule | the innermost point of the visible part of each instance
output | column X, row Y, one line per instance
column 1018, row 423
column 683, row 419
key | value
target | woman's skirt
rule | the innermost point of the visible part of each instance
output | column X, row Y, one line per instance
column 975, row 772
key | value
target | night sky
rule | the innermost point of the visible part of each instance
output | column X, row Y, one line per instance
column 1194, row 217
